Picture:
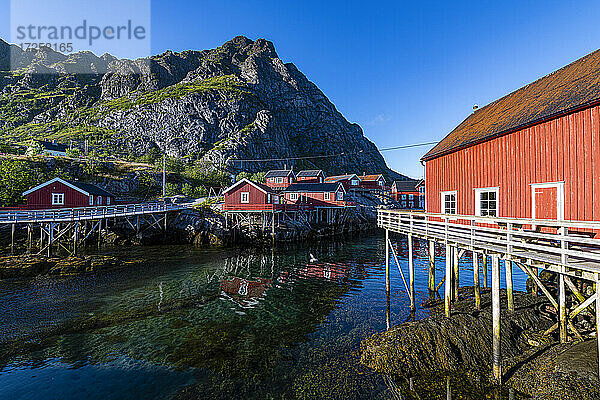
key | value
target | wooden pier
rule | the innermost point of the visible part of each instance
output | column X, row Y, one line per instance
column 568, row 248
column 68, row 228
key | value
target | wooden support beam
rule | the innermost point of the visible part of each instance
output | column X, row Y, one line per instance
column 448, row 293
column 432, row 289
column 496, row 352
column 411, row 273
column 562, row 307
column 598, row 318
column 387, row 261
column 484, row 268
column 476, row 281
column 12, row 238
column 509, row 285
column 456, row 266
column 574, row 289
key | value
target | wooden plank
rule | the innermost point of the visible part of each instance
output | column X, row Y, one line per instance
column 476, row 280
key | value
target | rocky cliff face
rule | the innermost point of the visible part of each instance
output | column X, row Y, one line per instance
column 239, row 101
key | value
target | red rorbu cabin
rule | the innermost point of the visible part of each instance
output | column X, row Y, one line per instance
column 279, row 178
column 534, row 153
column 408, row 194
column 248, row 195
column 350, row 181
column 61, row 193
column 372, row 182
column 310, row 176
column 316, row 194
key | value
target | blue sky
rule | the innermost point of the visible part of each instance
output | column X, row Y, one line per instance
column 407, row 72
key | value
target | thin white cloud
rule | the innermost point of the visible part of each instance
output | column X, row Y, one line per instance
column 379, row 119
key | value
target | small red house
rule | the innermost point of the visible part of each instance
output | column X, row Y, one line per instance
column 61, row 193
column 372, row 182
column 316, row 194
column 311, row 176
column 534, row 153
column 280, row 178
column 350, row 181
column 409, row 194
column 248, row 195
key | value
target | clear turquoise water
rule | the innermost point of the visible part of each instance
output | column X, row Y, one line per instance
column 206, row 323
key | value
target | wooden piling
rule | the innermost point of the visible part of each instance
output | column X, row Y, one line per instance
column 411, row 273
column 448, row 279
column 509, row 285
column 484, row 268
column 496, row 354
column 432, row 269
column 562, row 307
column 598, row 318
column 387, row 261
column 476, row 281
column 456, row 273
column 29, row 237
column 50, row 238
column 12, row 238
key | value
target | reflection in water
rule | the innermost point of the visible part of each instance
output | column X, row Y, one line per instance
column 229, row 323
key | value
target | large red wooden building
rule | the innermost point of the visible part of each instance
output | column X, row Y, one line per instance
column 534, row 153
column 248, row 195
column 61, row 193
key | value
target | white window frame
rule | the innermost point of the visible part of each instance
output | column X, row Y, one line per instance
column 293, row 196
column 59, row 200
column 560, row 197
column 99, row 200
column 443, row 200
column 91, row 199
column 327, row 196
column 411, row 196
column 244, row 197
column 108, row 201
column 340, row 196
column 478, row 191
column 279, row 179
column 354, row 182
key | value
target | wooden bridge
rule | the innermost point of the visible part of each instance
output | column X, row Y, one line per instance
column 67, row 228
column 568, row 248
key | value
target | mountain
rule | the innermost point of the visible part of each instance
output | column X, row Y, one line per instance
column 238, row 101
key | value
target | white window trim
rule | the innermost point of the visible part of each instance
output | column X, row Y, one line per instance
column 442, row 200
column 108, row 201
column 327, row 196
column 478, row 201
column 91, row 199
column 560, row 197
column 62, row 199
column 247, row 196
column 293, row 196
column 279, row 180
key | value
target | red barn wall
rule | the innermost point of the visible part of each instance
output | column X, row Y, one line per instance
column 256, row 196
column 563, row 149
column 43, row 196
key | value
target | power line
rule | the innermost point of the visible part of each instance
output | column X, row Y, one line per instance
column 407, row 146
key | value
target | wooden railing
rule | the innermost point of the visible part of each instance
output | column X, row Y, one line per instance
column 87, row 213
column 570, row 244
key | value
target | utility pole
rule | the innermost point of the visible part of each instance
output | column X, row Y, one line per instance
column 164, row 175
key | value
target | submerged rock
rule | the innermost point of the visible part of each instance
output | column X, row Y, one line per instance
column 30, row 266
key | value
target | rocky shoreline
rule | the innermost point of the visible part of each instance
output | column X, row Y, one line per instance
column 533, row 364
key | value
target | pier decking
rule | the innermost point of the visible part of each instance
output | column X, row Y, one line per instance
column 67, row 228
column 568, row 248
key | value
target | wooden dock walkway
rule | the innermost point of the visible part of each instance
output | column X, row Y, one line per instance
column 568, row 248
column 67, row 228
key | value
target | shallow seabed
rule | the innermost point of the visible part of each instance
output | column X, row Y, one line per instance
column 215, row 323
